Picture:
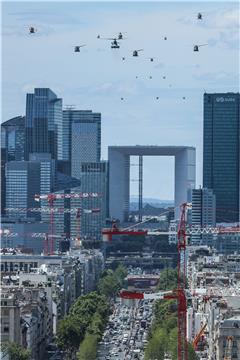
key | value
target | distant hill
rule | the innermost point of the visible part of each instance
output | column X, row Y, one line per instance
column 156, row 203
column 149, row 210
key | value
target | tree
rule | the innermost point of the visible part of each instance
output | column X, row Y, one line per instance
column 111, row 281
column 157, row 345
column 15, row 351
column 88, row 348
column 70, row 333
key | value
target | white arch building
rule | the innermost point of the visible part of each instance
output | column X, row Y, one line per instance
column 119, row 174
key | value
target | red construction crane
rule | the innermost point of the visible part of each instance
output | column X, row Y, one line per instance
column 51, row 198
column 179, row 293
column 114, row 230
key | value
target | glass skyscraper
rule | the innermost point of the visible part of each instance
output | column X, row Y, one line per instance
column 13, row 138
column 203, row 214
column 94, row 178
column 82, row 146
column 22, row 183
column 221, row 153
column 82, row 138
column 44, row 125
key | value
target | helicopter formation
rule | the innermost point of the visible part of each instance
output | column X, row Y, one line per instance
column 115, row 44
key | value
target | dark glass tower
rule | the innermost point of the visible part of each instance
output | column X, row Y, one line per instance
column 13, row 138
column 221, row 153
column 44, row 131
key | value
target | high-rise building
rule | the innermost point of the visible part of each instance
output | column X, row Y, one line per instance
column 12, row 148
column 3, row 180
column 221, row 153
column 94, row 178
column 82, row 129
column 44, row 125
column 13, row 138
column 25, row 179
column 203, row 214
column 83, row 143
column 22, row 183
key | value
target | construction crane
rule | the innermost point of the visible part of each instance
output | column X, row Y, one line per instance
column 179, row 294
column 114, row 230
column 228, row 348
column 51, row 197
column 198, row 336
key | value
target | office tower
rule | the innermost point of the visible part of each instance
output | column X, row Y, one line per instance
column 94, row 178
column 13, row 138
column 221, row 153
column 83, row 143
column 44, row 125
column 86, row 131
column 203, row 214
column 22, row 183
column 3, row 180
column 25, row 179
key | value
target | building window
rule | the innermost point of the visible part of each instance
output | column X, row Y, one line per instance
column 6, row 329
column 5, row 312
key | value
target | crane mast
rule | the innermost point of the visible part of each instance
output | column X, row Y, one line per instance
column 181, row 298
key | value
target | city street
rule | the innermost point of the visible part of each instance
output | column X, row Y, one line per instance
column 126, row 333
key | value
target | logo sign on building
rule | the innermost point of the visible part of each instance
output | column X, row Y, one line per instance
column 226, row 99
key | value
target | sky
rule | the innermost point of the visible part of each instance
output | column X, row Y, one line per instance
column 97, row 77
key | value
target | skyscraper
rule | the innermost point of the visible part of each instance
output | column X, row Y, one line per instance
column 22, row 183
column 44, row 131
column 13, row 138
column 203, row 214
column 94, row 178
column 221, row 153
column 82, row 137
column 25, row 179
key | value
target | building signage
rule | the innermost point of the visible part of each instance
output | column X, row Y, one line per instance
column 222, row 99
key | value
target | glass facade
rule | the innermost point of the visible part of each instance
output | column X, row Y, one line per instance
column 22, row 183
column 13, row 138
column 203, row 214
column 221, row 153
column 94, row 178
column 82, row 137
column 44, row 126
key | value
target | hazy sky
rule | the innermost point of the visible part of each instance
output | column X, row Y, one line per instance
column 97, row 77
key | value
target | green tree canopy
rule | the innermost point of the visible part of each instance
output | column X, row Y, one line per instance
column 15, row 351
column 88, row 348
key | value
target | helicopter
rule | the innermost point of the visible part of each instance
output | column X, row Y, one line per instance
column 135, row 52
column 120, row 36
column 32, row 30
column 114, row 43
column 77, row 48
column 196, row 47
column 199, row 16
